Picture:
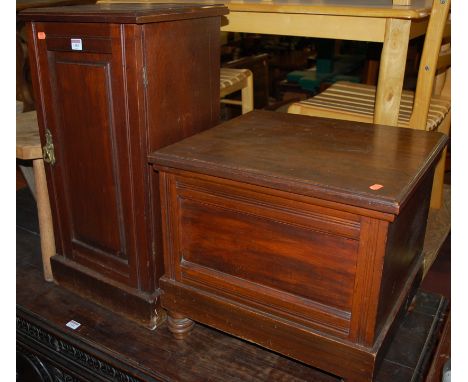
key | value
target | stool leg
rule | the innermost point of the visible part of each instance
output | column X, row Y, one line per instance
column 45, row 217
column 247, row 95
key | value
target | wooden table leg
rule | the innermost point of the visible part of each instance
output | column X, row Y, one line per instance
column 392, row 71
column 247, row 95
column 46, row 228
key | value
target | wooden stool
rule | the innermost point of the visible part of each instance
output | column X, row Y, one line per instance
column 233, row 80
column 28, row 147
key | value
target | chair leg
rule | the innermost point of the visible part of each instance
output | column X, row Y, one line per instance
column 437, row 195
column 438, row 183
column 247, row 95
column 45, row 217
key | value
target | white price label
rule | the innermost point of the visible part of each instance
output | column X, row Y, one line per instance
column 76, row 44
column 73, row 324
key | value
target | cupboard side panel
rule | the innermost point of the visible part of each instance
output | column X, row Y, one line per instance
column 181, row 69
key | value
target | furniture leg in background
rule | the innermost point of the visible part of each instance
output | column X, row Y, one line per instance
column 233, row 80
column 28, row 147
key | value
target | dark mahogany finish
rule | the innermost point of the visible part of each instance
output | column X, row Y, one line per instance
column 146, row 76
column 272, row 233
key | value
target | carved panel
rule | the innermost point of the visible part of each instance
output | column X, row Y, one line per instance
column 30, row 368
column 64, row 352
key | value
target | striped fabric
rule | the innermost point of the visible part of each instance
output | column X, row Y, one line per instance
column 230, row 77
column 353, row 99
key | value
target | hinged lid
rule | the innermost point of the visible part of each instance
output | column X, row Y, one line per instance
column 133, row 13
column 340, row 161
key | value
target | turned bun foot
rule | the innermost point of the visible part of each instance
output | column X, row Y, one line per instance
column 179, row 325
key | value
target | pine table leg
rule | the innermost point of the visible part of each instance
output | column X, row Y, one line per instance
column 46, row 228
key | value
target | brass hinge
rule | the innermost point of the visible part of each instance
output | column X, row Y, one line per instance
column 48, row 152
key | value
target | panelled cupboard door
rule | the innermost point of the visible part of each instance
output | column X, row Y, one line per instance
column 86, row 117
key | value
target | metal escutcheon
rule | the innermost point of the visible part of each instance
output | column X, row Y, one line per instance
column 48, row 152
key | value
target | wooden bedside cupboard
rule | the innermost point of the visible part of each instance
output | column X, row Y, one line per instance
column 113, row 83
column 301, row 234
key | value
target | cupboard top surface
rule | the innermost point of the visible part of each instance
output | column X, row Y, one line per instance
column 340, row 161
column 123, row 13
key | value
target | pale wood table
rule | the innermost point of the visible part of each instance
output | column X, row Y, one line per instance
column 360, row 20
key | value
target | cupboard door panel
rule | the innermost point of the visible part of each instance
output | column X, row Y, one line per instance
column 92, row 169
column 87, row 145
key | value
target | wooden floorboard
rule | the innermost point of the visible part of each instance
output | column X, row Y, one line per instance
column 107, row 347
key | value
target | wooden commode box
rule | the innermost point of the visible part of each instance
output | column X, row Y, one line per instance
column 114, row 82
column 301, row 234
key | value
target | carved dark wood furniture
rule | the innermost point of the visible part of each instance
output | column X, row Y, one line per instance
column 113, row 83
column 301, row 234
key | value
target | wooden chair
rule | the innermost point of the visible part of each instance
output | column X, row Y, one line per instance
column 428, row 108
column 233, row 80
column 28, row 147
column 258, row 64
